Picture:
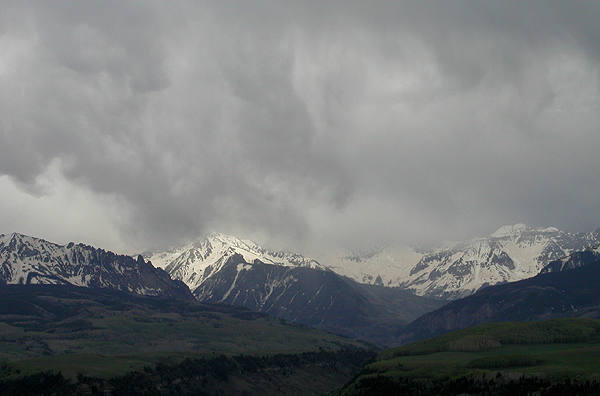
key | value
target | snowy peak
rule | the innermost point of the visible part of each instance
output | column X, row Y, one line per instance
column 514, row 231
column 197, row 261
column 509, row 230
column 23, row 242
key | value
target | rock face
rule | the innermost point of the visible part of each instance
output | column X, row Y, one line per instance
column 314, row 297
column 459, row 269
column 28, row 260
column 558, row 292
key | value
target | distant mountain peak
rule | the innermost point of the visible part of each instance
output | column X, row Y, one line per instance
column 509, row 230
column 194, row 262
column 219, row 237
column 519, row 228
column 19, row 237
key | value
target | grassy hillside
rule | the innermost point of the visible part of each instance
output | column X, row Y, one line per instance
column 543, row 355
column 103, row 333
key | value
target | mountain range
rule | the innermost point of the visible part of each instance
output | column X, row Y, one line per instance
column 294, row 288
column 450, row 271
column 458, row 269
column 368, row 296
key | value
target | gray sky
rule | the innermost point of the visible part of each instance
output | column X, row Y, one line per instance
column 134, row 125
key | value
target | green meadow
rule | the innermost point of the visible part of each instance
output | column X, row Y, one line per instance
column 492, row 355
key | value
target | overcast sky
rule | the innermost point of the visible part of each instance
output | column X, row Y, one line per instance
column 141, row 124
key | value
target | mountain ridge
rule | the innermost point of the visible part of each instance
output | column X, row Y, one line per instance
column 29, row 260
column 300, row 291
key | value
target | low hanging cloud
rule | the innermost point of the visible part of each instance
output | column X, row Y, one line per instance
column 304, row 124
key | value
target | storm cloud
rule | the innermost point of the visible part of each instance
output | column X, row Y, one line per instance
column 302, row 124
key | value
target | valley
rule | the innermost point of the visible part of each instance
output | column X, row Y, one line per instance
column 227, row 314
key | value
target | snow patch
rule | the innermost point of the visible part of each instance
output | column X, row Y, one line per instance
column 243, row 267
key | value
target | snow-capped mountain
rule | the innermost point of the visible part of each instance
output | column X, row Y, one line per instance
column 453, row 270
column 458, row 269
column 568, row 287
column 29, row 260
column 195, row 262
column 222, row 269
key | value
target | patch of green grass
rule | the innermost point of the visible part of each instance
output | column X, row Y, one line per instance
column 91, row 364
column 550, row 359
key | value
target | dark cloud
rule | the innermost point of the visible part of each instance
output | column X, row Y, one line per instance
column 302, row 123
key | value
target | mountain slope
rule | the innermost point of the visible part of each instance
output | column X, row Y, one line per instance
column 568, row 293
column 459, row 269
column 315, row 298
column 29, row 260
